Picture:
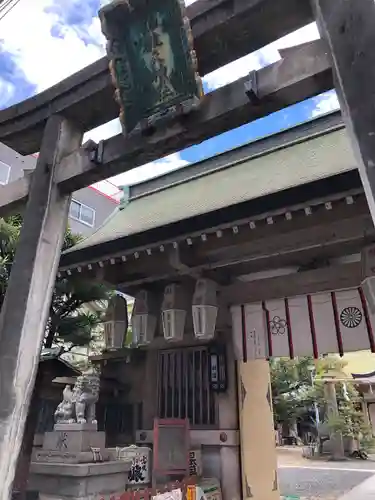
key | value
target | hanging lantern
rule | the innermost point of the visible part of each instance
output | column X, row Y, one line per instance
column 115, row 322
column 174, row 312
column 144, row 318
column 205, row 309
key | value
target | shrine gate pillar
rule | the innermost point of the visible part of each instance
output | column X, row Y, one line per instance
column 257, row 436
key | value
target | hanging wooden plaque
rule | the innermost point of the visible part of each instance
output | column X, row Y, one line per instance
column 152, row 61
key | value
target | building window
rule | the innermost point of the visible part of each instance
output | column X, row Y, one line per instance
column 184, row 389
column 4, row 173
column 82, row 213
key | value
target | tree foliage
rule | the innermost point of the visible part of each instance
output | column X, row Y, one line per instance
column 350, row 420
column 295, row 391
column 291, row 388
column 70, row 321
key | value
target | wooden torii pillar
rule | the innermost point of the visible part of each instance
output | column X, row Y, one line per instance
column 25, row 311
column 348, row 26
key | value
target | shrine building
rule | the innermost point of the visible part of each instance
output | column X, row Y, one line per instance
column 259, row 252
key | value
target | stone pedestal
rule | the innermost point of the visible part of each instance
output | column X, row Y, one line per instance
column 74, row 444
column 78, row 481
column 75, row 465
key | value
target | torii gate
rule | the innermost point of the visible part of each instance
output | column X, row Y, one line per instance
column 54, row 122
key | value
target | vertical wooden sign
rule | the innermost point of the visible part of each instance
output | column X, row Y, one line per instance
column 152, row 61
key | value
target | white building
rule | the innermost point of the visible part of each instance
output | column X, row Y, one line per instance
column 89, row 208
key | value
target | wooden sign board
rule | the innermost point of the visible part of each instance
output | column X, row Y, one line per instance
column 307, row 325
column 171, row 447
column 152, row 62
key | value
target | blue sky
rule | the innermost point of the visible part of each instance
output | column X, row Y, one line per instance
column 65, row 39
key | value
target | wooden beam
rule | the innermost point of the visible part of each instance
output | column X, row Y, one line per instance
column 25, row 310
column 182, row 261
column 348, row 28
column 281, row 84
column 223, row 30
column 313, row 237
column 340, row 238
column 302, row 227
column 226, row 30
column 332, row 232
column 304, row 259
column 342, row 222
column 318, row 280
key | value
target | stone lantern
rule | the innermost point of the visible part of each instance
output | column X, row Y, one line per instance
column 115, row 322
column 174, row 312
column 205, row 309
column 144, row 317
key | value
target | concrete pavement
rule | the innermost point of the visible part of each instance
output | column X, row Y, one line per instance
column 364, row 491
column 321, row 482
column 303, row 479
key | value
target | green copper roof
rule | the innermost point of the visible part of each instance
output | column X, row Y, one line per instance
column 279, row 169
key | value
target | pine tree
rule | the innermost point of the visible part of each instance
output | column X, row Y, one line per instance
column 70, row 323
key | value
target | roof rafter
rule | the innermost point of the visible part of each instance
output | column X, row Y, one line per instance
column 333, row 229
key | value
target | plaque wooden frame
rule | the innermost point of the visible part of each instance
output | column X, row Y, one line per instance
column 152, row 61
column 158, row 468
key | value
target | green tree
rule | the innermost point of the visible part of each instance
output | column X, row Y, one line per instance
column 70, row 322
column 297, row 385
column 291, row 388
column 295, row 391
column 350, row 420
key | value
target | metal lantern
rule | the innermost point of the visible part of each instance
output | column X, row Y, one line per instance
column 205, row 309
column 174, row 312
column 144, row 318
column 115, row 322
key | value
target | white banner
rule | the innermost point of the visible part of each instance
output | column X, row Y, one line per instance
column 308, row 325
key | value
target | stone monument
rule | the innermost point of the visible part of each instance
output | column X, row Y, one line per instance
column 74, row 463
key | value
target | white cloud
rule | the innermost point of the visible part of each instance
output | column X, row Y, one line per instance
column 325, row 103
column 150, row 170
column 260, row 58
column 104, row 132
column 46, row 60
column 139, row 174
column 6, row 91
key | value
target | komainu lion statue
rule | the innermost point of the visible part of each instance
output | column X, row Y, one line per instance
column 78, row 406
